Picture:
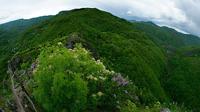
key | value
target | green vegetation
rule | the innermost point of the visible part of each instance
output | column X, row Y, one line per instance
column 64, row 77
column 111, row 39
column 159, row 64
column 71, row 80
column 166, row 37
column 9, row 33
column 183, row 80
column 60, row 86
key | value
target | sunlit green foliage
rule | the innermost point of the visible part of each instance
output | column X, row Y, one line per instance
column 60, row 86
column 129, row 106
column 71, row 80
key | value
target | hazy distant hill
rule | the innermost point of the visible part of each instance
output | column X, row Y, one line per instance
column 165, row 36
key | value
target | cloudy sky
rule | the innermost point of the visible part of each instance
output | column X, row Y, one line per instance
column 180, row 14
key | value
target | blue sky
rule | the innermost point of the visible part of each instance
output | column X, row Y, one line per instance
column 180, row 14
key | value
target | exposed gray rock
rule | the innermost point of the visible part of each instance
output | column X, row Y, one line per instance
column 73, row 39
column 1, row 110
column 14, row 64
column 165, row 110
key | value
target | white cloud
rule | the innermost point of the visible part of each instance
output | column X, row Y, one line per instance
column 181, row 14
column 15, row 9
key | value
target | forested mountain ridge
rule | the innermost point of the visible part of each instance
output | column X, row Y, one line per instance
column 18, row 26
column 166, row 36
column 133, row 50
column 9, row 33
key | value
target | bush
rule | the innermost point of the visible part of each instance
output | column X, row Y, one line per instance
column 129, row 107
column 71, row 80
column 59, row 88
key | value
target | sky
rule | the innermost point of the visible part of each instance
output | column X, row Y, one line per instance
column 182, row 15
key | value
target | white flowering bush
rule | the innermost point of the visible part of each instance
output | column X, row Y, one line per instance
column 71, row 80
column 59, row 87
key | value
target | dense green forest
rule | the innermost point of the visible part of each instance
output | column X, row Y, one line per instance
column 9, row 33
column 90, row 60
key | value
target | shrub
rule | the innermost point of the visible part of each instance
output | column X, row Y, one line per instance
column 129, row 107
column 59, row 88
column 71, row 80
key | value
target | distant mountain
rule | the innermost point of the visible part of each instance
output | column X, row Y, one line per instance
column 165, row 36
column 18, row 26
column 158, row 60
